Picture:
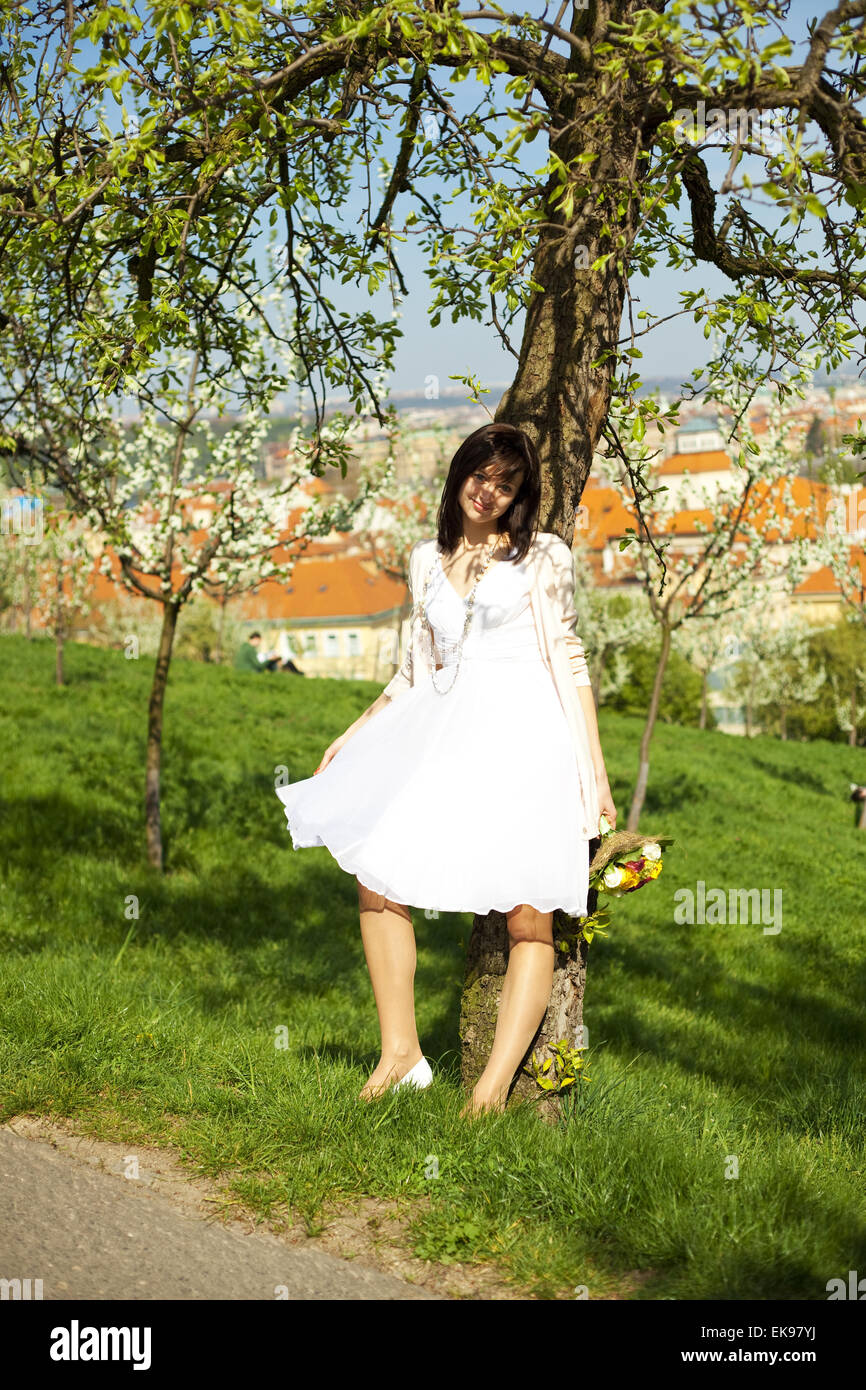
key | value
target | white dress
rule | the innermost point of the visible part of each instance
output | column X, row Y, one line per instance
column 467, row 801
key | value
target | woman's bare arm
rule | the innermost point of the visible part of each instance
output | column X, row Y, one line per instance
column 605, row 796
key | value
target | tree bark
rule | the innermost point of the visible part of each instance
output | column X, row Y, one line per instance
column 852, row 736
column 749, row 701
column 862, row 822
column 28, row 604
column 154, row 737
column 557, row 396
column 218, row 655
column 58, row 631
column 783, row 722
column 646, row 737
column 702, row 722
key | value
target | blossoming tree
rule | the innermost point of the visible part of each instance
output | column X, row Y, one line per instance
column 175, row 517
column 609, row 624
column 64, row 564
column 705, row 643
column 732, row 539
column 160, row 550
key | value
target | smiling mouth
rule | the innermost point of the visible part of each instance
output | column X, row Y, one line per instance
column 479, row 506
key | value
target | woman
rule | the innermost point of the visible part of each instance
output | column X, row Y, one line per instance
column 476, row 779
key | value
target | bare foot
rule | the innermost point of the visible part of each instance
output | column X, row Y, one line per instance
column 481, row 1102
column 386, row 1074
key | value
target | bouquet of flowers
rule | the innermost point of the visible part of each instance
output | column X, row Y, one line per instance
column 625, row 860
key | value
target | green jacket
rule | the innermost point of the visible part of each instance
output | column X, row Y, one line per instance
column 247, row 658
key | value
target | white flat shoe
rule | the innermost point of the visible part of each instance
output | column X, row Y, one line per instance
column 420, row 1076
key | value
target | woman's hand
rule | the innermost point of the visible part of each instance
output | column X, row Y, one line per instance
column 605, row 800
column 331, row 750
column 381, row 702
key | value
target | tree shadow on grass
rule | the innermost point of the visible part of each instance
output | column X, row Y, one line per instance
column 37, row 830
column 202, row 798
column 315, row 921
column 790, row 1274
column 799, row 777
column 672, row 793
column 807, row 1030
column 310, row 908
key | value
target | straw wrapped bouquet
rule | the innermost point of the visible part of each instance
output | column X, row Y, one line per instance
column 625, row 860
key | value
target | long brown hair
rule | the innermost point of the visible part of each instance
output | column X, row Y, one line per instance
column 510, row 449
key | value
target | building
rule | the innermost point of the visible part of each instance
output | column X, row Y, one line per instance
column 604, row 519
column 343, row 614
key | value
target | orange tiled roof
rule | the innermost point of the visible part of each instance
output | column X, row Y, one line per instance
column 608, row 517
column 323, row 585
column 338, row 586
column 823, row 581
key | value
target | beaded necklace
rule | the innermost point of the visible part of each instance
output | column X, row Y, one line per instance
column 450, row 651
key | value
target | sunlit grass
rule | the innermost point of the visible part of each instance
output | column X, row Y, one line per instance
column 712, row 1047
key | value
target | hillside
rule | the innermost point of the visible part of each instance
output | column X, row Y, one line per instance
column 706, row 1040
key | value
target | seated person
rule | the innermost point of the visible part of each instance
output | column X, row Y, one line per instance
column 249, row 658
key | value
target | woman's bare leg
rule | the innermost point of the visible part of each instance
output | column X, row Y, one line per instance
column 523, row 1002
column 389, row 946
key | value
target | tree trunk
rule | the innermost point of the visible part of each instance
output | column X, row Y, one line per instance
column 562, row 401
column 218, row 655
column 705, row 679
column 749, row 704
column 58, row 632
column 783, row 722
column 557, row 395
column 862, row 822
column 154, row 736
column 852, row 736
column 646, row 738
column 28, row 603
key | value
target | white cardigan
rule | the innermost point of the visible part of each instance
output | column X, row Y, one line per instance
column 551, row 589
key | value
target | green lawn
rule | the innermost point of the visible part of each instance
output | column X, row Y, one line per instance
column 710, row 1046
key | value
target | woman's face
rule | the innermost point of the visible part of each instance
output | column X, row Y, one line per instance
column 484, row 497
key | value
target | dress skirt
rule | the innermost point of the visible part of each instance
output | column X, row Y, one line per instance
column 467, row 801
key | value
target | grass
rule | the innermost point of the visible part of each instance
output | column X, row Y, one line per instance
column 224, row 1008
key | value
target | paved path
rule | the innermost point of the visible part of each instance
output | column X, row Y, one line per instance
column 89, row 1234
